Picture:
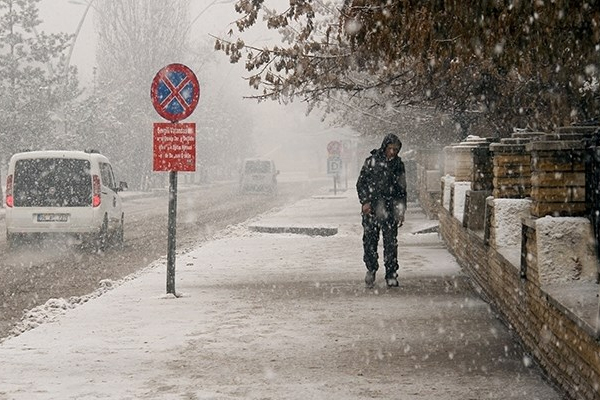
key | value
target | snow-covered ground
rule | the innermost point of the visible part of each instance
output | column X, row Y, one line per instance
column 276, row 316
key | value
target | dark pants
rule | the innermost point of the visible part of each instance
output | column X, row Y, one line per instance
column 389, row 229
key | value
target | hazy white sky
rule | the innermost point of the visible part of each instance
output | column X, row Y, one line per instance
column 209, row 16
column 277, row 128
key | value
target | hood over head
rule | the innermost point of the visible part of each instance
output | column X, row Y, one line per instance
column 389, row 139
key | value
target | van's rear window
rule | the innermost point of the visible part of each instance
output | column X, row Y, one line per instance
column 258, row 167
column 52, row 182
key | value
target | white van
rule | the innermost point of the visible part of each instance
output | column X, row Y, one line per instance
column 63, row 192
column 258, row 175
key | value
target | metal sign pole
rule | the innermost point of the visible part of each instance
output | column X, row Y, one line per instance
column 175, row 93
column 172, row 226
column 335, row 184
column 346, row 174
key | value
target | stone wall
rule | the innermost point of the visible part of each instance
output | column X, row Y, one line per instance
column 535, row 261
column 429, row 185
column 558, row 177
column 562, row 343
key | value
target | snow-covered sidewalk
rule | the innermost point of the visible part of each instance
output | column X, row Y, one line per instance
column 268, row 314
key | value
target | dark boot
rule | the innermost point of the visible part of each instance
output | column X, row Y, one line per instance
column 392, row 282
column 370, row 279
column 391, row 279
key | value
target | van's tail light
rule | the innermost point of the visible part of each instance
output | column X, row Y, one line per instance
column 10, row 202
column 96, row 198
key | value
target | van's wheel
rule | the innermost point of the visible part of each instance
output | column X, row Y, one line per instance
column 101, row 240
column 120, row 233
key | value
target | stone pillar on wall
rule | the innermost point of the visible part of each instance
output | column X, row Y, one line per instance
column 463, row 162
column 511, row 189
column 464, row 172
column 448, row 177
column 483, row 168
column 459, row 170
column 559, row 250
column 561, row 244
column 558, row 175
column 511, row 169
column 481, row 186
column 429, row 166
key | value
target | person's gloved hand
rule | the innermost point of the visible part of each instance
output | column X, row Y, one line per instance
column 366, row 208
column 399, row 213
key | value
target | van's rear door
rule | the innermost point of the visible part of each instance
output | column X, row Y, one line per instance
column 52, row 182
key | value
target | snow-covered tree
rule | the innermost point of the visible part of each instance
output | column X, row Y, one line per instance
column 136, row 38
column 511, row 63
column 32, row 78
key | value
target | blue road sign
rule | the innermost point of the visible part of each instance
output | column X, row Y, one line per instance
column 175, row 92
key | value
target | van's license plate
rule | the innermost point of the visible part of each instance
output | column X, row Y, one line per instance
column 52, row 217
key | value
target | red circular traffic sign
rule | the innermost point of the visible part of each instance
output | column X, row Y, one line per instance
column 175, row 92
column 334, row 147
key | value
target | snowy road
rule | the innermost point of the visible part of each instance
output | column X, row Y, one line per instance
column 31, row 276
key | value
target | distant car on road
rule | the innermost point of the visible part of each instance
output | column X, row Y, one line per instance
column 63, row 192
column 258, row 175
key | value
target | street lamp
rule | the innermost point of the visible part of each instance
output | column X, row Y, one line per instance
column 88, row 5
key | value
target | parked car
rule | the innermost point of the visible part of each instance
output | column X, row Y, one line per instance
column 258, row 175
column 63, row 192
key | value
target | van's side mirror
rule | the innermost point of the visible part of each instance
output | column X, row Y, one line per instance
column 122, row 186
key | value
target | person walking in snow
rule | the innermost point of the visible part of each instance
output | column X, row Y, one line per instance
column 381, row 188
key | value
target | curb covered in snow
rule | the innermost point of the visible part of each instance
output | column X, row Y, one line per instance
column 302, row 230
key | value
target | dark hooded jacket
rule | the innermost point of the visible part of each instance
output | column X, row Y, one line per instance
column 381, row 181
